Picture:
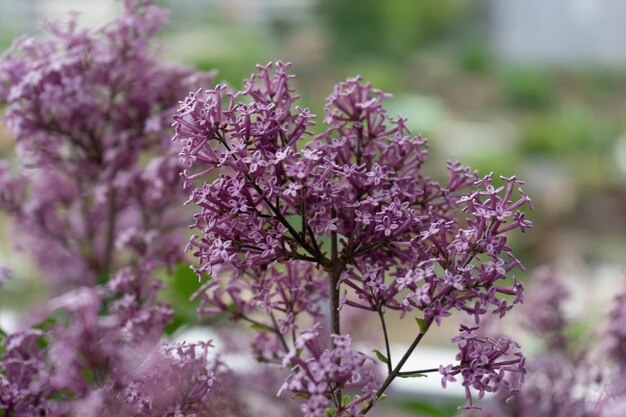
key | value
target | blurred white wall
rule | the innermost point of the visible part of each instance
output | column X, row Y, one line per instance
column 25, row 15
column 560, row 32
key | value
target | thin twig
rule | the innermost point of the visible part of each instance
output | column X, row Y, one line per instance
column 110, row 233
column 386, row 335
column 398, row 368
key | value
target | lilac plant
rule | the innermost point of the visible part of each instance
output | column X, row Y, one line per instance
column 88, row 108
column 295, row 230
column 571, row 376
column 107, row 365
column 289, row 221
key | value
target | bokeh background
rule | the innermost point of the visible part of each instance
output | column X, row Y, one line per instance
column 534, row 88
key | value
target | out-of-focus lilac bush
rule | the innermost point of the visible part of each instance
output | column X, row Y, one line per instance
column 98, row 189
column 574, row 375
column 90, row 110
column 293, row 231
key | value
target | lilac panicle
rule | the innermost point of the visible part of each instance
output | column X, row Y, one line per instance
column 112, row 364
column 486, row 364
column 347, row 214
column 322, row 373
column 544, row 308
column 87, row 107
column 615, row 339
column 24, row 387
column 274, row 202
column 567, row 378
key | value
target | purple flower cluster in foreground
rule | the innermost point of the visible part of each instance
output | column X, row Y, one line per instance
column 295, row 232
column 325, row 372
column 288, row 219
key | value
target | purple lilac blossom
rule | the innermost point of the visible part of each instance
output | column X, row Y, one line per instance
column 352, row 203
column 24, row 381
column 321, row 374
column 88, row 107
column 615, row 342
column 566, row 380
column 545, row 315
column 486, row 364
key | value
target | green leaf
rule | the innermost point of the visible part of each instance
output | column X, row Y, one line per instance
column 301, row 395
column 330, row 412
column 46, row 323
column 422, row 324
column 381, row 357
column 179, row 287
column 444, row 409
column 345, row 400
column 103, row 279
column 3, row 336
column 88, row 375
column 416, row 375
column 185, row 282
column 261, row 327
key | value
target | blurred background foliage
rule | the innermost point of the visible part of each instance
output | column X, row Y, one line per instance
column 461, row 73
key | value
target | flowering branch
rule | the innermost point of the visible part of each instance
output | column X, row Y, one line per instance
column 375, row 234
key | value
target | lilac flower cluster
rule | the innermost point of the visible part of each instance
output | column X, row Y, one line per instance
column 615, row 346
column 347, row 215
column 107, row 365
column 485, row 364
column 24, row 390
column 322, row 376
column 87, row 108
column 544, row 309
column 572, row 377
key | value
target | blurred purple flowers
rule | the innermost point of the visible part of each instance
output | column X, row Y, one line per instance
column 576, row 374
column 485, row 364
column 87, row 107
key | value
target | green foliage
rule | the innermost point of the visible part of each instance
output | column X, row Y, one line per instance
column 179, row 288
column 392, row 28
column 261, row 328
column 527, row 87
column 567, row 130
column 431, row 409
column 474, row 57
column 421, row 324
column 3, row 335
column 381, row 357
column 413, row 375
